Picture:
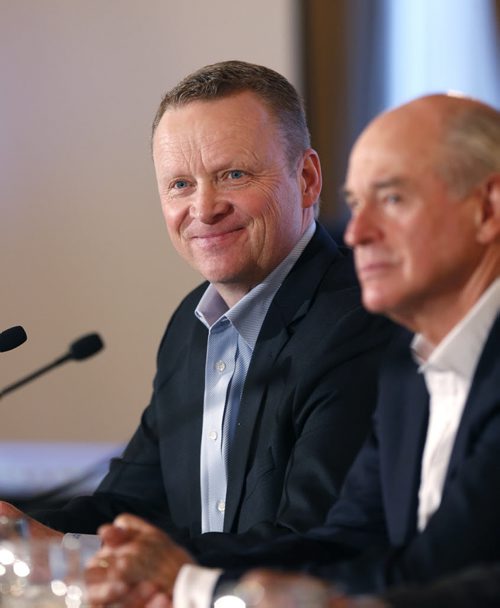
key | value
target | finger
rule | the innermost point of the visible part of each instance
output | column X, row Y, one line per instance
column 94, row 575
column 139, row 595
column 114, row 536
column 101, row 566
column 132, row 522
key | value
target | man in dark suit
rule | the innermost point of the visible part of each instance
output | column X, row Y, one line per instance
column 423, row 496
column 266, row 375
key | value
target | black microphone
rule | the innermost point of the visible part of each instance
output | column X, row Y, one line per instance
column 84, row 347
column 12, row 338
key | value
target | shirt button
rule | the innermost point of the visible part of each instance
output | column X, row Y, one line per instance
column 221, row 506
column 212, row 435
column 220, row 366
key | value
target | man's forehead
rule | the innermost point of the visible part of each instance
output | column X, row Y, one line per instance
column 214, row 146
column 394, row 146
column 384, row 181
column 239, row 102
column 222, row 120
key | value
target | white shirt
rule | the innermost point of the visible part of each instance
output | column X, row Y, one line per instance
column 456, row 357
column 448, row 371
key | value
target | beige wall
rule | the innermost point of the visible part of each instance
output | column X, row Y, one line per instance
column 82, row 242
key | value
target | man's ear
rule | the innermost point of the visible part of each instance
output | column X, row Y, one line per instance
column 311, row 180
column 489, row 222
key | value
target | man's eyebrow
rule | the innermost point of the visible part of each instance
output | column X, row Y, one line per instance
column 390, row 182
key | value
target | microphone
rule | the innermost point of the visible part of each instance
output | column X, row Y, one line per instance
column 12, row 338
column 80, row 349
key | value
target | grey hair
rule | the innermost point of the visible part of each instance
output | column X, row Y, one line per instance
column 472, row 147
column 227, row 78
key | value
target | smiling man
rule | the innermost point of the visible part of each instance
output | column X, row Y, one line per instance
column 235, row 205
column 266, row 375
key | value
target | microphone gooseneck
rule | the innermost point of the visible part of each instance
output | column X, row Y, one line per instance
column 80, row 349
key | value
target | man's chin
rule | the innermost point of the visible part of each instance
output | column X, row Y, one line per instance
column 376, row 301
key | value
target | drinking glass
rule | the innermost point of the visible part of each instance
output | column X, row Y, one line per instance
column 13, row 528
column 45, row 573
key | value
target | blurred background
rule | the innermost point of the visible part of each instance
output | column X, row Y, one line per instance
column 82, row 241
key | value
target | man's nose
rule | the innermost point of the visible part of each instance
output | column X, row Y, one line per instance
column 363, row 227
column 208, row 205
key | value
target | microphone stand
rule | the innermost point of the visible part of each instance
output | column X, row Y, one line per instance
column 34, row 375
column 80, row 349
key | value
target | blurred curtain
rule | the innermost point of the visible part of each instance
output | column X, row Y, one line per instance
column 363, row 56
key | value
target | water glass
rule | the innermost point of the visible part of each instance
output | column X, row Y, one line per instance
column 13, row 528
column 41, row 572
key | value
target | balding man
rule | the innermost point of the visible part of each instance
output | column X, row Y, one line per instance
column 423, row 496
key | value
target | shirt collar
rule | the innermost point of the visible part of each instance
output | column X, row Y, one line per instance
column 460, row 349
column 248, row 314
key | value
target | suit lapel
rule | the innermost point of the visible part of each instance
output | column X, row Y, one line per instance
column 483, row 395
column 192, row 431
column 290, row 304
column 405, row 404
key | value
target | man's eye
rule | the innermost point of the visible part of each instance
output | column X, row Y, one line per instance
column 180, row 184
column 351, row 204
column 392, row 199
column 236, row 174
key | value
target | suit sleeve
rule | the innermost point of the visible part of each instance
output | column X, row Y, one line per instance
column 133, row 483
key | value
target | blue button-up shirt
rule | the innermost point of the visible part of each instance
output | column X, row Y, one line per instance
column 232, row 334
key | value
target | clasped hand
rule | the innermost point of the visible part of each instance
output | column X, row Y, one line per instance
column 136, row 566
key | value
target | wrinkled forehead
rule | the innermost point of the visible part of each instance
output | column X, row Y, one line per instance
column 215, row 134
column 239, row 116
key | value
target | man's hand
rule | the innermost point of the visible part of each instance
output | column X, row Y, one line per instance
column 136, row 566
column 36, row 529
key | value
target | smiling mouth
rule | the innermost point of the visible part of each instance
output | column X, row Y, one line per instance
column 217, row 237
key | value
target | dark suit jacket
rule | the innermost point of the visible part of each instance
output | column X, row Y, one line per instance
column 305, row 411
column 370, row 539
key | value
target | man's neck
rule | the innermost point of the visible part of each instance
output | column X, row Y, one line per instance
column 232, row 294
column 436, row 318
